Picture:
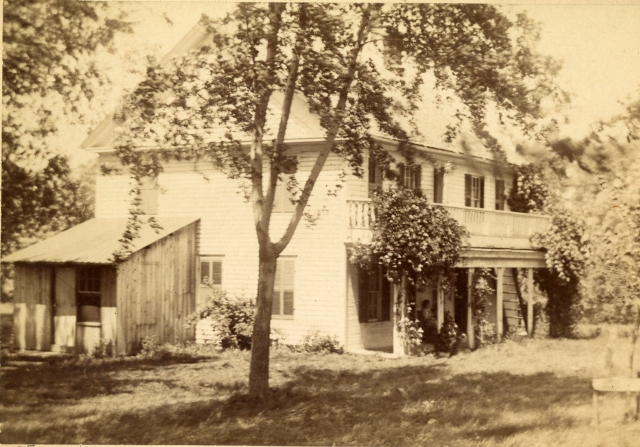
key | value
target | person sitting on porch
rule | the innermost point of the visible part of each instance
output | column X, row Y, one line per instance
column 428, row 323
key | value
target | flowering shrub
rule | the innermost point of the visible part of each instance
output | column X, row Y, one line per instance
column 449, row 338
column 412, row 237
column 484, row 331
column 230, row 317
column 410, row 331
column 322, row 344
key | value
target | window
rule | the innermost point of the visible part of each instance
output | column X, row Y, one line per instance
column 282, row 199
column 88, row 294
column 283, row 289
column 374, row 296
column 438, row 186
column 149, row 195
column 474, row 191
column 210, row 274
column 375, row 175
column 500, row 197
column 410, row 176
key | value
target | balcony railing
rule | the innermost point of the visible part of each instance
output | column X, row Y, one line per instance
column 486, row 227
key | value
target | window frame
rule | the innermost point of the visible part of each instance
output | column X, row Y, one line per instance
column 501, row 198
column 280, row 289
column 379, row 296
column 411, row 176
column 88, row 296
column 203, row 287
column 474, row 191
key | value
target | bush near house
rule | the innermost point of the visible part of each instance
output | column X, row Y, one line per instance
column 231, row 318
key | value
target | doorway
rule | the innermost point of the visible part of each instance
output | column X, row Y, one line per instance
column 460, row 302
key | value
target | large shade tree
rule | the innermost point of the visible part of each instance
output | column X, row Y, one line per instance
column 360, row 67
column 49, row 78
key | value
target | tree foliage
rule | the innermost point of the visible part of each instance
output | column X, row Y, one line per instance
column 530, row 192
column 359, row 67
column 48, row 79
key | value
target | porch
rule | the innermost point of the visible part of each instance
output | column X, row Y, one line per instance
column 498, row 240
column 487, row 228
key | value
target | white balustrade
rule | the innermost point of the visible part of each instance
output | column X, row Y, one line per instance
column 479, row 222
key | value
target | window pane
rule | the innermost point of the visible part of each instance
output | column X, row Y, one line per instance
column 216, row 273
column 204, row 272
column 287, row 303
column 275, row 308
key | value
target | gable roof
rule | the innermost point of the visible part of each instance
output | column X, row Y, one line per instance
column 303, row 126
column 95, row 241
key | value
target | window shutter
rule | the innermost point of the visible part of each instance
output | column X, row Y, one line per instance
column 481, row 192
column 467, row 190
column 386, row 300
column 362, row 295
column 418, row 178
column 401, row 169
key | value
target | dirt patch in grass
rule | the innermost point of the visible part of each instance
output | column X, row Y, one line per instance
column 532, row 393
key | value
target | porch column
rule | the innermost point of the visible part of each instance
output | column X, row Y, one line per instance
column 398, row 306
column 530, row 301
column 440, row 298
column 471, row 336
column 499, row 303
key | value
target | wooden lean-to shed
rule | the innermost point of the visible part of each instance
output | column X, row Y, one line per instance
column 69, row 294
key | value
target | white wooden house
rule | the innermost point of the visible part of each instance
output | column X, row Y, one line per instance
column 317, row 289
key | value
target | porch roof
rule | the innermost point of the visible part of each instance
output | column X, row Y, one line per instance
column 95, row 241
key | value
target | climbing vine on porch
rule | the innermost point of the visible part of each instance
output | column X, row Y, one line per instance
column 414, row 241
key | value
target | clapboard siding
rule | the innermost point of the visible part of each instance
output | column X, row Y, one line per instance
column 156, row 291
column 112, row 196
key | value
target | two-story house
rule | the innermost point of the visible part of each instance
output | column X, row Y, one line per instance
column 69, row 294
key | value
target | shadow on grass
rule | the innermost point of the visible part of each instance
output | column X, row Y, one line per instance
column 399, row 405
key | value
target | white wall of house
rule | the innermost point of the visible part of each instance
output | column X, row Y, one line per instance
column 227, row 231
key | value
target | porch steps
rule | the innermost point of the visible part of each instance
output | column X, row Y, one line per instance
column 511, row 306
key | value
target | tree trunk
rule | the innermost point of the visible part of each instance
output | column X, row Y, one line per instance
column 260, row 342
column 635, row 333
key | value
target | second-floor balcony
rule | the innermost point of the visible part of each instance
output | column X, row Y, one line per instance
column 487, row 228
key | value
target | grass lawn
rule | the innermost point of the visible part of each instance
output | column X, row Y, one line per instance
column 532, row 393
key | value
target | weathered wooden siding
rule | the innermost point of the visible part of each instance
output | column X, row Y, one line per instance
column 32, row 311
column 156, row 291
column 66, row 310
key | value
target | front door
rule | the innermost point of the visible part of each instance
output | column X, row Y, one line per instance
column 64, row 308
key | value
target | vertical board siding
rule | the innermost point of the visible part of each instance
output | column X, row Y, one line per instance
column 66, row 310
column 32, row 296
column 156, row 291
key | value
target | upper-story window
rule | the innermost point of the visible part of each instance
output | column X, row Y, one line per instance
column 473, row 191
column 149, row 195
column 282, row 199
column 500, row 196
column 410, row 176
column 438, row 185
column 375, row 175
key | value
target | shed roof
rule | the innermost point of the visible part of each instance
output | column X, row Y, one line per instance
column 95, row 241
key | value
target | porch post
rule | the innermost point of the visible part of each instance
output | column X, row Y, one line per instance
column 398, row 308
column 499, row 303
column 530, row 301
column 470, row 310
column 440, row 298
